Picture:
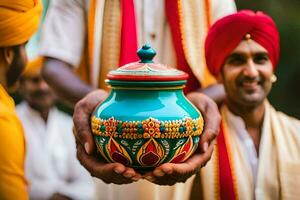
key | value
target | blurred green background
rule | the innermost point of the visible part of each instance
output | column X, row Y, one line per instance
column 285, row 94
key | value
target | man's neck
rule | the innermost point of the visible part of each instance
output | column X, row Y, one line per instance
column 253, row 118
column 43, row 112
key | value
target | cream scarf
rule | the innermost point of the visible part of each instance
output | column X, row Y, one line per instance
column 279, row 162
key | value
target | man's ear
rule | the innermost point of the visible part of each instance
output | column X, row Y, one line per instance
column 8, row 55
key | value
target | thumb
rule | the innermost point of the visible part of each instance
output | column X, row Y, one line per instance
column 81, row 118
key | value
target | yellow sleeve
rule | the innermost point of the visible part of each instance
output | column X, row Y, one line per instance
column 13, row 184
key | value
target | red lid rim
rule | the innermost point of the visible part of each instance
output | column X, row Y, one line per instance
column 183, row 76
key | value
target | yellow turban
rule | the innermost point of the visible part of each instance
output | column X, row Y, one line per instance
column 33, row 67
column 19, row 19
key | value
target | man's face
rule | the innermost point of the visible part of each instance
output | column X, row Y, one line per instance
column 17, row 66
column 246, row 74
column 37, row 93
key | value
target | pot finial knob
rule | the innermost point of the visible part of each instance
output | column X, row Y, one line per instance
column 146, row 54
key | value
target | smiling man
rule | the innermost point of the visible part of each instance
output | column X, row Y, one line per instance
column 257, row 155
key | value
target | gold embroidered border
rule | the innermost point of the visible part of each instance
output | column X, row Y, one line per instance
column 149, row 128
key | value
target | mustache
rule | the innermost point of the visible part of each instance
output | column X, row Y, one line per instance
column 242, row 79
column 39, row 93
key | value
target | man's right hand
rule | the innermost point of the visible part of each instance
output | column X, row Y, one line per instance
column 86, row 153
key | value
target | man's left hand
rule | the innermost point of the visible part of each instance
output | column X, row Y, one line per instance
column 171, row 173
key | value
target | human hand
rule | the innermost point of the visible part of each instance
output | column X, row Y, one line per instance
column 171, row 173
column 108, row 172
column 211, row 116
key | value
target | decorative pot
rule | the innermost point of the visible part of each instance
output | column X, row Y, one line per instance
column 146, row 119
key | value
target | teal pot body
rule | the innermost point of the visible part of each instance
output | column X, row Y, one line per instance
column 146, row 125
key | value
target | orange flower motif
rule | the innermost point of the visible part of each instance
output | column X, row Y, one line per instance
column 111, row 125
column 189, row 124
column 151, row 128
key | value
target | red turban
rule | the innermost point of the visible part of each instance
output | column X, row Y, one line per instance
column 226, row 34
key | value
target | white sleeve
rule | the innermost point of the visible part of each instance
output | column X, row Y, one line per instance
column 64, row 30
column 81, row 187
column 221, row 8
column 39, row 186
column 40, row 189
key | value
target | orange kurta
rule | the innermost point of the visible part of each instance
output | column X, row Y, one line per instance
column 12, row 151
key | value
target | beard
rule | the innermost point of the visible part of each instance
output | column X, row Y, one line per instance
column 16, row 67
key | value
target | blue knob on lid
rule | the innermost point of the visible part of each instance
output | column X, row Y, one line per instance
column 146, row 54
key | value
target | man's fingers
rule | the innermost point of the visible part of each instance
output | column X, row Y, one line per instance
column 208, row 135
column 212, row 120
column 199, row 160
column 108, row 172
column 171, row 173
column 160, row 171
column 211, row 116
column 194, row 163
column 93, row 165
column 81, row 117
column 130, row 173
column 206, row 138
column 82, row 130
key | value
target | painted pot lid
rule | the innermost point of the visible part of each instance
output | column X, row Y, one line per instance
column 146, row 70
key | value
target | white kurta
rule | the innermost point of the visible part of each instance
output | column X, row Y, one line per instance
column 51, row 165
column 63, row 37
